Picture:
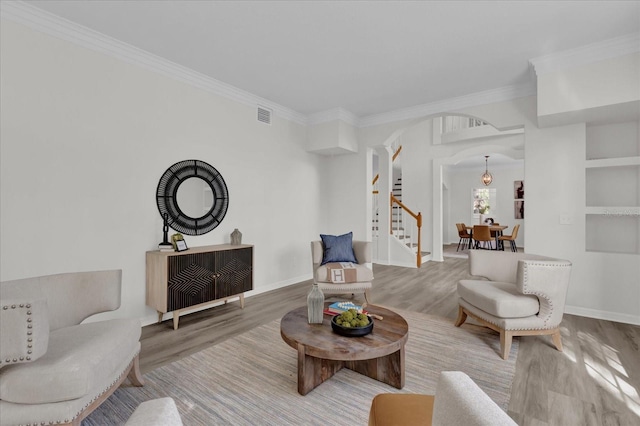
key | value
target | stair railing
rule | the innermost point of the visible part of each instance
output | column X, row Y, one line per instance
column 395, row 155
column 376, row 225
column 417, row 217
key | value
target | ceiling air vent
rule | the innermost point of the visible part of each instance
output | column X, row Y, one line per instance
column 264, row 115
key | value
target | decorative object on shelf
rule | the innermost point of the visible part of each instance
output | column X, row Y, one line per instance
column 193, row 196
column 236, row 237
column 165, row 245
column 486, row 176
column 179, row 243
column 518, row 189
column 315, row 305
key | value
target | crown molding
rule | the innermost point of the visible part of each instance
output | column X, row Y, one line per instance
column 332, row 115
column 56, row 26
column 447, row 105
column 61, row 28
column 583, row 55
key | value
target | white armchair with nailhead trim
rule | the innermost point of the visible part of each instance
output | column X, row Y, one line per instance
column 55, row 369
column 521, row 295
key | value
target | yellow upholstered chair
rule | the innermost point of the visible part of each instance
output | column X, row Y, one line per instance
column 482, row 236
column 511, row 238
column 463, row 234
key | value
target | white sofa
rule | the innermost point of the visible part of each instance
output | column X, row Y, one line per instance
column 53, row 369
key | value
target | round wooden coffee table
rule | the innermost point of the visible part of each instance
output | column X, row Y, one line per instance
column 322, row 353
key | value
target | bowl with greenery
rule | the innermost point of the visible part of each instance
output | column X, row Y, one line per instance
column 352, row 324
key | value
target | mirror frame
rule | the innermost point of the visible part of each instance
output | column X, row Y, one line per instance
column 166, row 197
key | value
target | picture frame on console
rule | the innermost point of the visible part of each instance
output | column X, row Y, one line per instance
column 179, row 244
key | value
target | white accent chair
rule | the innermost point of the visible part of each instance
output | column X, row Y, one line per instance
column 362, row 251
column 521, row 295
column 458, row 400
column 54, row 369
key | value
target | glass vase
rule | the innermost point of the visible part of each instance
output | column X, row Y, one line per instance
column 315, row 305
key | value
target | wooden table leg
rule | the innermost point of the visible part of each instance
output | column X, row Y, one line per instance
column 314, row 371
column 387, row 369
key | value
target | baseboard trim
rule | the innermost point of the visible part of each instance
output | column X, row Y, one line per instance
column 152, row 319
column 603, row 315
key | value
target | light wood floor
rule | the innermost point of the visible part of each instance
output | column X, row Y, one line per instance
column 595, row 381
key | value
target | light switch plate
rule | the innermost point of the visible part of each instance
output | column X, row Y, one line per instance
column 566, row 219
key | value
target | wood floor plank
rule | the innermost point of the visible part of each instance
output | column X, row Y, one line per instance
column 565, row 410
column 597, row 375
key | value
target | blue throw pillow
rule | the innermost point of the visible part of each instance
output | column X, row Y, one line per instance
column 338, row 248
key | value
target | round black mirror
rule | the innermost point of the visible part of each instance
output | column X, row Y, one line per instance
column 193, row 196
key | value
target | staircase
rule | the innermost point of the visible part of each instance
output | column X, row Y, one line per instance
column 397, row 218
column 397, row 227
column 405, row 225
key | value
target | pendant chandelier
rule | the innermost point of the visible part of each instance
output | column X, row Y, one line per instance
column 486, row 176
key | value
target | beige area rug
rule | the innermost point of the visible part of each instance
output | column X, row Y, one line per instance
column 251, row 379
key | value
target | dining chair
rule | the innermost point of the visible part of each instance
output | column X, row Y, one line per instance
column 482, row 236
column 496, row 234
column 463, row 234
column 511, row 238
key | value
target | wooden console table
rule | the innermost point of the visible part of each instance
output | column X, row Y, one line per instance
column 200, row 276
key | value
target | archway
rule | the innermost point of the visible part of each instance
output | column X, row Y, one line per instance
column 438, row 201
column 447, row 153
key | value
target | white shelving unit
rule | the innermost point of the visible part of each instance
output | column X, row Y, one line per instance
column 612, row 173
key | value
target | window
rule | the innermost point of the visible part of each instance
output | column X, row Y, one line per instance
column 483, row 201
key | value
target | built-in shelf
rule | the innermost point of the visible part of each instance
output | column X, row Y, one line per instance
column 612, row 233
column 612, row 184
column 613, row 211
column 613, row 162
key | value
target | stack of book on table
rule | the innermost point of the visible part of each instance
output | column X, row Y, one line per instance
column 339, row 307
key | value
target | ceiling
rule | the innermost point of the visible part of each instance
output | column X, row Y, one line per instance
column 366, row 57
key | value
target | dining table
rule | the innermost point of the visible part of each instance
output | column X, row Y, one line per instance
column 495, row 228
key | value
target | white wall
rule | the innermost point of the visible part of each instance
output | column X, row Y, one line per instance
column 461, row 183
column 608, row 88
column 84, row 140
column 346, row 185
